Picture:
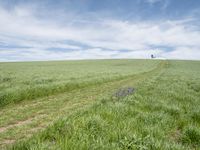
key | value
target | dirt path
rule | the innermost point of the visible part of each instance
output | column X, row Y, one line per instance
column 22, row 120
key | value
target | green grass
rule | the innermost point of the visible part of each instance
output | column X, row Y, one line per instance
column 30, row 80
column 162, row 113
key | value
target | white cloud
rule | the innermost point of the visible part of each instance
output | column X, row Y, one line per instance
column 22, row 28
column 186, row 53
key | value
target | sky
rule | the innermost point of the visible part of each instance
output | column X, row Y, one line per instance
column 35, row 30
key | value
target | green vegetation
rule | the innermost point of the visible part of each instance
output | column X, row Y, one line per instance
column 25, row 81
column 162, row 113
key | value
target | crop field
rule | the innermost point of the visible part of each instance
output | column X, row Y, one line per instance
column 100, row 104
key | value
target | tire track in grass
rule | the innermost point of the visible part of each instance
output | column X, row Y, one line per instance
column 19, row 123
column 36, row 92
column 57, row 106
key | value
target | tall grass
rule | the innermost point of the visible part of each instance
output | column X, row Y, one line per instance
column 162, row 114
column 30, row 80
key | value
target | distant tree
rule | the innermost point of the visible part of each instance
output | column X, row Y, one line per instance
column 152, row 56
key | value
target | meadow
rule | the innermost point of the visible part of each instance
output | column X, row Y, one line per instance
column 30, row 80
column 73, row 105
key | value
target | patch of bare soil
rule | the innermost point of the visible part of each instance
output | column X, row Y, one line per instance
column 175, row 135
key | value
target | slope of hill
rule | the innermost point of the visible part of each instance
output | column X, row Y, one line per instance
column 161, row 113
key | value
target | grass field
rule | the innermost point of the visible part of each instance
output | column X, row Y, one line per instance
column 23, row 81
column 72, row 105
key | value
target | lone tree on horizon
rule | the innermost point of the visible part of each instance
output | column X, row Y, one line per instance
column 152, row 56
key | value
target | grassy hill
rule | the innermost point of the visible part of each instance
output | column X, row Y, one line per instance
column 73, row 105
column 30, row 80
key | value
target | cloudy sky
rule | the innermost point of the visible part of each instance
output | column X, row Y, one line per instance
column 96, row 29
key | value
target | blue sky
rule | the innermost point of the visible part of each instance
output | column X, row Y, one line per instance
column 99, row 29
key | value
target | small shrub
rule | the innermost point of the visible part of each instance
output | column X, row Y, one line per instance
column 123, row 92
